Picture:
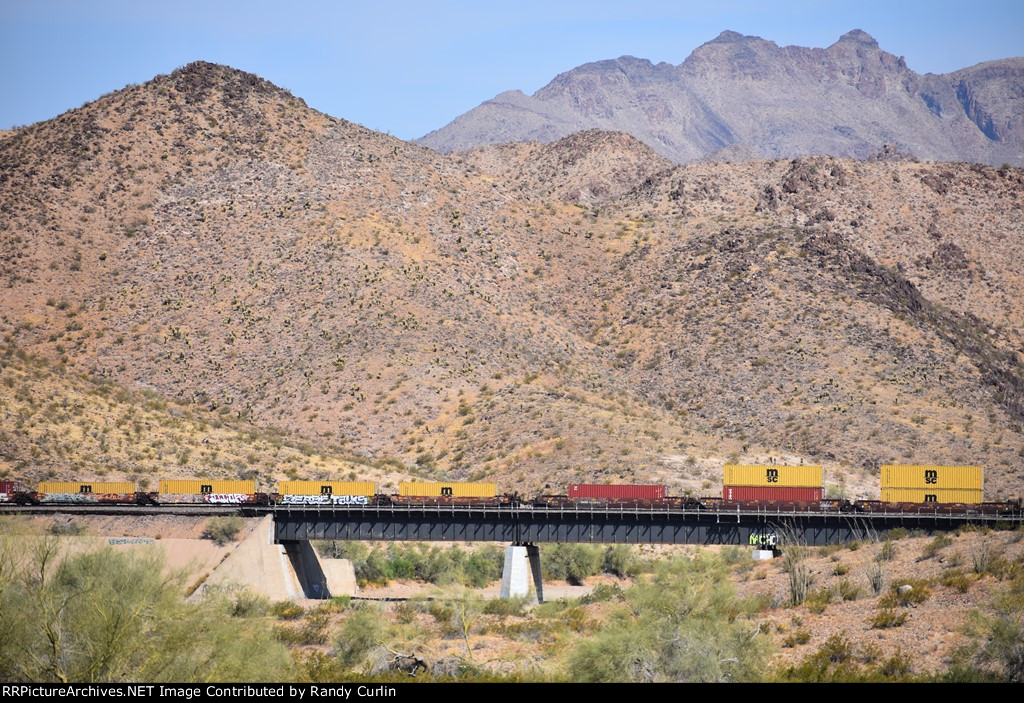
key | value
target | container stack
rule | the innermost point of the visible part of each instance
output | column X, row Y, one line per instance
column 86, row 491
column 902, row 483
column 601, row 491
column 205, row 491
column 327, row 488
column 412, row 489
column 325, row 492
column 87, row 487
column 773, row 483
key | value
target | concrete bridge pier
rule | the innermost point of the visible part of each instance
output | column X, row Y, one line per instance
column 521, row 559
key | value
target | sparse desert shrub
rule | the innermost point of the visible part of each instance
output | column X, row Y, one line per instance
column 905, row 593
column 997, row 647
column 887, row 618
column 312, row 630
column 876, row 576
column 819, row 599
column 887, row 552
column 956, row 579
column 794, row 563
column 837, row 660
column 935, row 546
column 987, row 560
column 65, row 528
column 847, row 590
column 796, row 638
column 505, row 606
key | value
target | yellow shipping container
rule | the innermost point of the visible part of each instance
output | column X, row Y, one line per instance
column 959, row 477
column 323, row 488
column 439, row 489
column 773, row 475
column 196, row 487
column 930, row 495
column 90, row 487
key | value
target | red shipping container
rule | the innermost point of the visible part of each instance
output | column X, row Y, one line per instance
column 8, row 487
column 772, row 493
column 619, row 491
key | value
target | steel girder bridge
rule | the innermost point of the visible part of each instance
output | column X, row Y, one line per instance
column 534, row 525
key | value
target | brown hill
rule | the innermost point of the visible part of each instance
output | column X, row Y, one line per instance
column 531, row 314
column 58, row 423
column 586, row 167
column 846, row 100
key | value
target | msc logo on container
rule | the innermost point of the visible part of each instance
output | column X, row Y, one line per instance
column 446, row 490
column 772, row 475
column 931, row 476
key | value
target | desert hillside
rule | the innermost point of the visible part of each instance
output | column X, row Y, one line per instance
column 527, row 314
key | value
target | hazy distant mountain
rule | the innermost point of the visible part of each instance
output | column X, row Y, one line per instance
column 769, row 101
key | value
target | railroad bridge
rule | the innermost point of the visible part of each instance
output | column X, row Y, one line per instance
column 525, row 527
column 597, row 525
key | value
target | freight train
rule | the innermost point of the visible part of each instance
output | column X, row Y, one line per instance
column 769, row 497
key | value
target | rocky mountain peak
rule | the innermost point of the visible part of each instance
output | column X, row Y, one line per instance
column 731, row 37
column 858, row 36
column 196, row 80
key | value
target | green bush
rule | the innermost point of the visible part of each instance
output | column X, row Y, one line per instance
column 247, row 604
column 222, row 530
column 440, row 566
column 287, row 610
column 683, row 624
column 571, row 562
column 359, row 633
column 120, row 617
column 618, row 560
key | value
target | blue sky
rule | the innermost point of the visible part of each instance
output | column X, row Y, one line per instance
column 409, row 67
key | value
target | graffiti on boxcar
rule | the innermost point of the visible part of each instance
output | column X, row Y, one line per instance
column 324, row 499
column 764, row 537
